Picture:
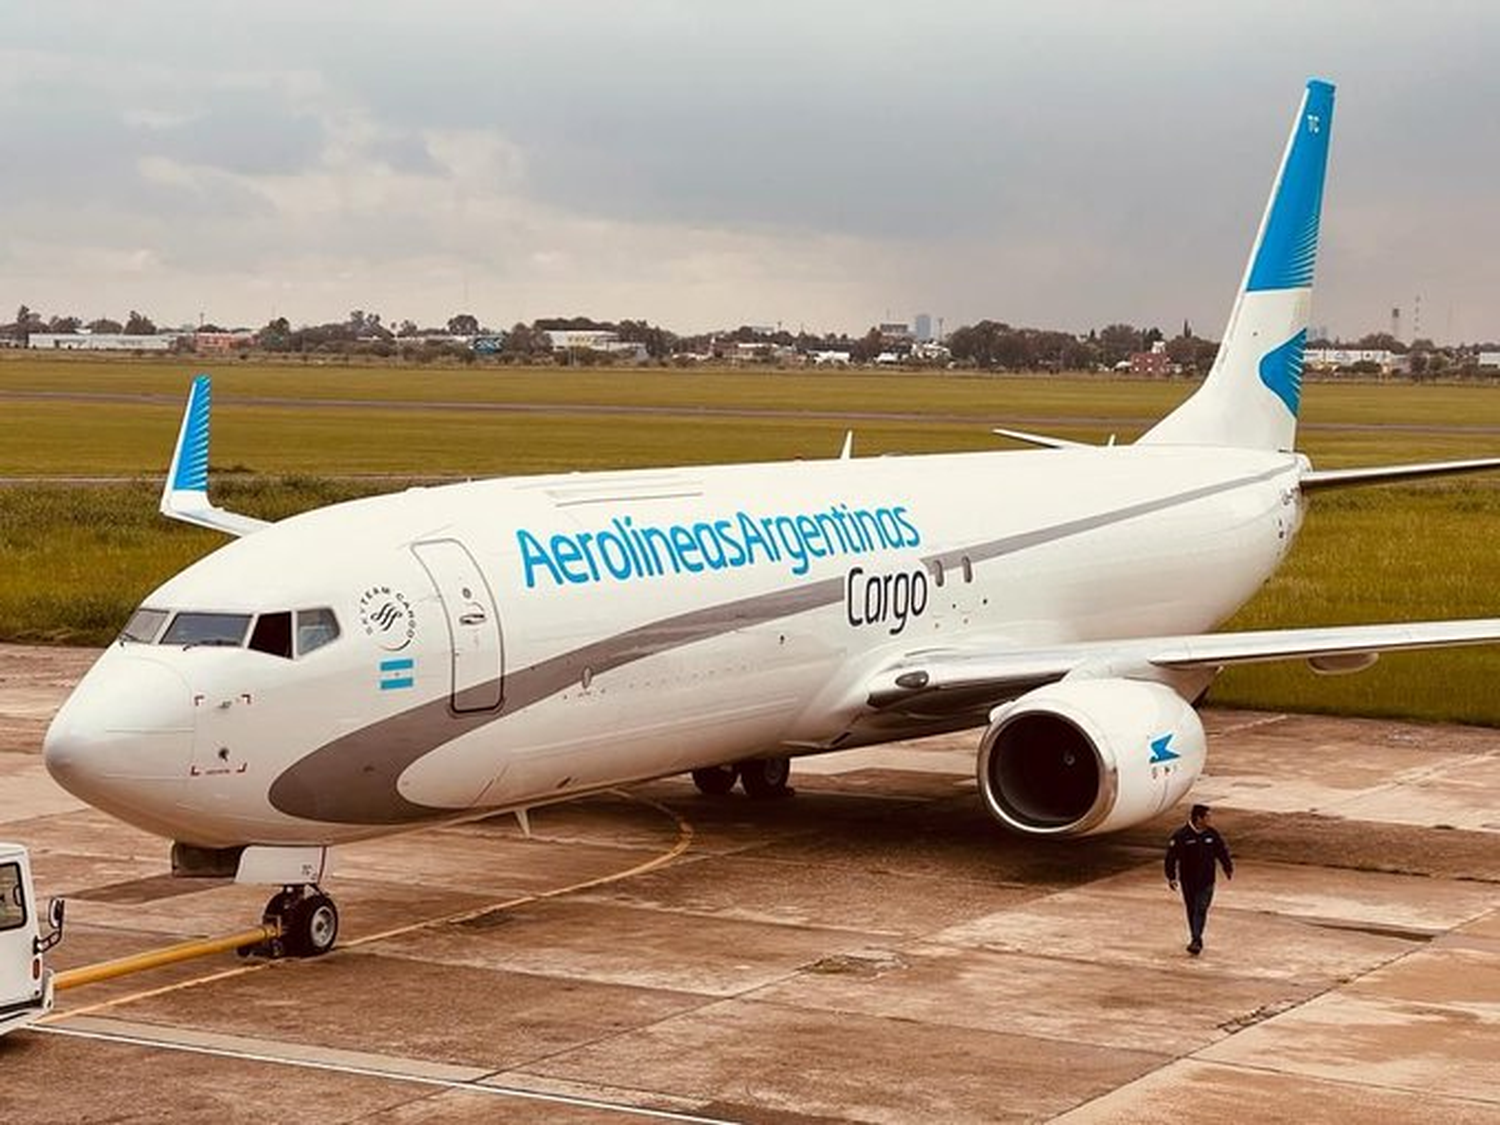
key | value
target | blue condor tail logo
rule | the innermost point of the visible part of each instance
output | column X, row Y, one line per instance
column 624, row 550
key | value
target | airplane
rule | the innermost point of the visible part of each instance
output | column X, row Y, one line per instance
column 447, row 653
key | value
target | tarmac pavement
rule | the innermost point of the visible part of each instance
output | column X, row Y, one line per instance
column 873, row 949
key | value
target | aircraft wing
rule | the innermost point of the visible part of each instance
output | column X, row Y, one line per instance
column 1385, row 474
column 957, row 679
column 185, row 495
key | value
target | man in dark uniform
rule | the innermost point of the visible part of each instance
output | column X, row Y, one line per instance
column 1192, row 853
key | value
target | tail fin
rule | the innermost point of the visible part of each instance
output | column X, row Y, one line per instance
column 185, row 495
column 1252, row 393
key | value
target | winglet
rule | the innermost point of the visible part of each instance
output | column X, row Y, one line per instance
column 185, row 495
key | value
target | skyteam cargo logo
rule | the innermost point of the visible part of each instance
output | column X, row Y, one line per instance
column 623, row 550
column 387, row 616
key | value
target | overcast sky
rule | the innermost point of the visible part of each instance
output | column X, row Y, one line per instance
column 705, row 164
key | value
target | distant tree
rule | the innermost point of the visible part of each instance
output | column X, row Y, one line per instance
column 138, row 324
column 1195, row 356
column 463, row 324
column 106, row 326
column 523, row 343
column 276, row 336
column 408, row 328
column 27, row 322
column 867, row 347
column 658, row 342
column 64, row 325
column 1381, row 341
column 1118, row 342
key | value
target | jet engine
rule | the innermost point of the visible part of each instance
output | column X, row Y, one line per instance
column 1082, row 757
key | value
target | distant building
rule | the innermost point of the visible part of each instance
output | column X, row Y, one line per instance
column 212, row 343
column 1333, row 359
column 837, row 358
column 1151, row 363
column 895, row 332
column 922, row 326
column 596, row 340
column 102, row 342
column 1489, row 359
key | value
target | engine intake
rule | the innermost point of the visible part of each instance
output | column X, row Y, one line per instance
column 1089, row 756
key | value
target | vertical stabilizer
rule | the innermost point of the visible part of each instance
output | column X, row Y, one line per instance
column 1252, row 393
column 185, row 495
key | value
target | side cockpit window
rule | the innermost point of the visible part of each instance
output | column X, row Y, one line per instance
column 221, row 629
column 144, row 625
column 273, row 634
column 315, row 628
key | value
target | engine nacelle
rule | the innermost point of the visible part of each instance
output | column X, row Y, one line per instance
column 1081, row 757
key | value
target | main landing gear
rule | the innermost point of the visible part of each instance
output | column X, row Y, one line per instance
column 309, row 924
column 763, row 779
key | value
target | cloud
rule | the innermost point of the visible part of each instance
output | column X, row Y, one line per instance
column 1060, row 165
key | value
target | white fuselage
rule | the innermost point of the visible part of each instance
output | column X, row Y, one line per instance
column 512, row 642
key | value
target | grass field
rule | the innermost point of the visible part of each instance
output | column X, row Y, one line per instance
column 77, row 558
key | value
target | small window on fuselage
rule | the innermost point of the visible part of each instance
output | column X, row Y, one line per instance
column 221, row 629
column 315, row 628
column 273, row 634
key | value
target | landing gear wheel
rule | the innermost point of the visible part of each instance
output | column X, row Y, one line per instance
column 766, row 778
column 313, row 926
column 309, row 924
column 715, row 781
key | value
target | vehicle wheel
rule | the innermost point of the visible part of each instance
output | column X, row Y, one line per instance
column 715, row 781
column 312, row 926
column 764, row 778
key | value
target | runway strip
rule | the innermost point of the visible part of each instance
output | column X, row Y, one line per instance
column 357, row 1063
column 697, row 411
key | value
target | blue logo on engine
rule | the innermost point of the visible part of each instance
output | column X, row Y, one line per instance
column 1159, row 751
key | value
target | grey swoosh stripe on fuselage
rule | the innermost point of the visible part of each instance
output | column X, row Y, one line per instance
column 352, row 780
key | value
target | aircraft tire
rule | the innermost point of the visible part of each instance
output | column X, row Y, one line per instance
column 716, row 781
column 766, row 778
column 312, row 926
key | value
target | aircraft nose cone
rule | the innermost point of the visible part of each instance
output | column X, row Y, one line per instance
column 126, row 729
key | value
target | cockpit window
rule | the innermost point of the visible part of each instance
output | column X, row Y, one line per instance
column 315, row 628
column 226, row 629
column 143, row 625
column 273, row 634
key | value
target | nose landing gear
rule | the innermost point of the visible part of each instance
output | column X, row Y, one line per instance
column 309, row 923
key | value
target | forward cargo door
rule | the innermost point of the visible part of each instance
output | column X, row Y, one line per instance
column 473, row 624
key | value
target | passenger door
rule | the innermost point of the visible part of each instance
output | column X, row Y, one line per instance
column 473, row 624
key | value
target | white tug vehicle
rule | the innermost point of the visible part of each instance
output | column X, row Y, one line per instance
column 25, row 982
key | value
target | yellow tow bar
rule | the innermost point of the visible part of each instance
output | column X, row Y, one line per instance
column 168, row 955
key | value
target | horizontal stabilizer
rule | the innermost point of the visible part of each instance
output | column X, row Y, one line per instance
column 1041, row 439
column 1387, row 474
column 185, row 495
